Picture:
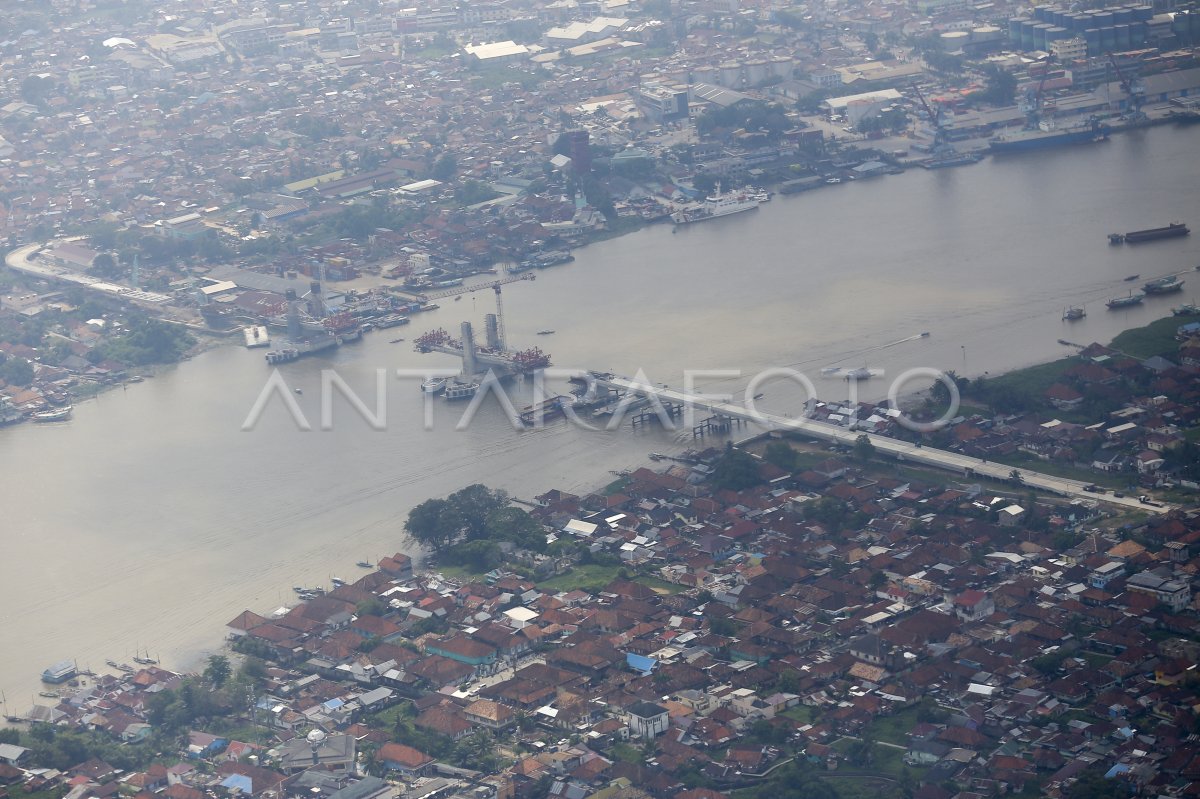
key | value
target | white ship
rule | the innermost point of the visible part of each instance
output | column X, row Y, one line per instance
column 720, row 204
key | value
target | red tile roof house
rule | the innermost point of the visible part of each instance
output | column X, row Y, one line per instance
column 398, row 566
column 404, row 759
column 444, row 721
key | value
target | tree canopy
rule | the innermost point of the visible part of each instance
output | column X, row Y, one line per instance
column 736, row 470
column 470, row 524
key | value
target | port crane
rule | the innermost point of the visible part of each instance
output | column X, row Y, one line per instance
column 1031, row 104
column 935, row 119
column 1134, row 88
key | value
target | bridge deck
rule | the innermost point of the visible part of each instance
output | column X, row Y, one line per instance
column 901, row 450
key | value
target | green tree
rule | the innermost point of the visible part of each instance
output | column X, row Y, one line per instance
column 478, row 556
column 735, row 470
column 864, row 450
column 1092, row 784
column 16, row 371
column 218, row 670
column 720, row 625
column 705, row 183
column 475, row 505
column 105, row 265
column 781, row 454
column 1001, row 86
column 36, row 88
column 434, row 523
column 516, row 526
column 370, row 607
column 445, row 167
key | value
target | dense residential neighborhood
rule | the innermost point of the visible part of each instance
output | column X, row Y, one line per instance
column 779, row 618
column 843, row 619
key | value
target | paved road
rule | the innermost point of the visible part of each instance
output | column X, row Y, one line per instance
column 901, row 450
column 21, row 259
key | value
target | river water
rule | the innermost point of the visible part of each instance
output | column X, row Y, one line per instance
column 152, row 518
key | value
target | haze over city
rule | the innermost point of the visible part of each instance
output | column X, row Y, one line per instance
column 629, row 399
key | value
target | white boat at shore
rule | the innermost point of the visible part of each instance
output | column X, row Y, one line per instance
column 56, row 415
column 720, row 204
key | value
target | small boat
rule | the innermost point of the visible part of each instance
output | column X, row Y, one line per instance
column 545, row 332
column 1132, row 278
column 1163, row 285
column 861, row 373
column 1073, row 314
column 759, row 396
column 49, row 694
column 112, row 664
column 1187, row 309
column 56, row 415
column 299, row 589
column 459, row 297
column 925, row 335
column 434, row 385
column 395, row 341
column 338, row 582
column 299, row 391
column 363, row 564
column 1125, row 302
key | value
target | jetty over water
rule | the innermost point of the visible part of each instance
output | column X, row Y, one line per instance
column 965, row 465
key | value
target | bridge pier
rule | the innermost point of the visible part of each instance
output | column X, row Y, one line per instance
column 718, row 423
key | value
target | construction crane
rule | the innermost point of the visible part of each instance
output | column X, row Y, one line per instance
column 460, row 290
column 1031, row 106
column 1134, row 88
column 935, row 119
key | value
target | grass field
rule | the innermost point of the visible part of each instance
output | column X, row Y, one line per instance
column 1034, row 380
column 590, row 578
column 459, row 573
column 1156, row 338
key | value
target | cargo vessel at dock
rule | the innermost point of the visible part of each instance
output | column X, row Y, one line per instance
column 1173, row 230
column 1041, row 138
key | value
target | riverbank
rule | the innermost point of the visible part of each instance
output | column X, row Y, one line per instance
column 163, row 473
column 1150, row 340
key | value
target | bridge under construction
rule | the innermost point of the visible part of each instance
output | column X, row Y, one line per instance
column 668, row 399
